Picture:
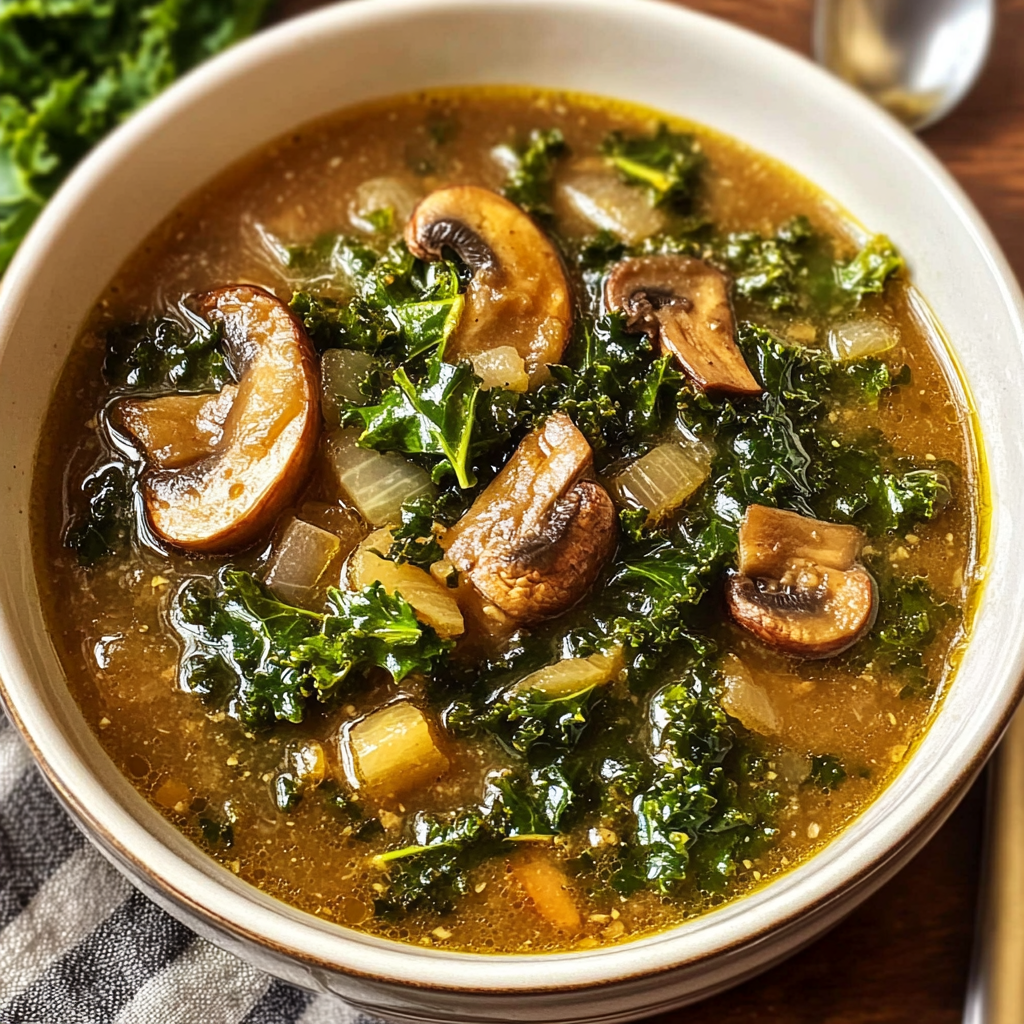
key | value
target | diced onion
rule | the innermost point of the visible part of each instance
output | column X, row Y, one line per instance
column 382, row 205
column 860, row 338
column 501, row 367
column 299, row 560
column 341, row 371
column 572, row 675
column 377, row 484
column 746, row 700
column 664, row 478
column 393, row 751
column 609, row 204
column 308, row 762
column 433, row 603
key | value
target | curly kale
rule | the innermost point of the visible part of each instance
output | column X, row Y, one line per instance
column 106, row 523
column 180, row 353
column 72, row 71
column 262, row 659
column 667, row 164
column 531, row 169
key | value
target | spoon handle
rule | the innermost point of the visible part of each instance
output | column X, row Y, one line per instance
column 995, row 992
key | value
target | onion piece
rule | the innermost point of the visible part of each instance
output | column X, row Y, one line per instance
column 382, row 205
column 609, row 204
column 862, row 337
column 501, row 367
column 300, row 559
column 745, row 700
column 341, row 371
column 392, row 751
column 664, row 478
column 571, row 675
column 376, row 483
column 433, row 603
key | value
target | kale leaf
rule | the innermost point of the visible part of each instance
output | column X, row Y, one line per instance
column 70, row 72
column 522, row 719
column 106, row 524
column 614, row 387
column 668, row 164
column 262, row 659
column 909, row 618
column 433, row 871
column 172, row 353
column 867, row 272
column 415, row 540
column 827, row 772
column 531, row 169
column 403, row 307
column 434, row 417
column 769, row 270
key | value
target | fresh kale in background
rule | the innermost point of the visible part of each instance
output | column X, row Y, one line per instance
column 182, row 353
column 667, row 164
column 261, row 659
column 531, row 170
column 71, row 70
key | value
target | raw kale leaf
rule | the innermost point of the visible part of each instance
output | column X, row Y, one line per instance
column 434, row 417
column 107, row 522
column 827, row 772
column 531, row 170
column 263, row 659
column 414, row 540
column 867, row 272
column 668, row 164
column 71, row 71
column 172, row 353
column 769, row 270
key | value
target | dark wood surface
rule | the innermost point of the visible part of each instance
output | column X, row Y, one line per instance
column 903, row 956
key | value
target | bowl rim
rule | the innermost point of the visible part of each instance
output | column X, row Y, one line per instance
column 389, row 961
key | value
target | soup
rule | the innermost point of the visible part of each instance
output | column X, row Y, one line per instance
column 509, row 521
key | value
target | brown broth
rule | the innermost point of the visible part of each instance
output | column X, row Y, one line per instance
column 109, row 623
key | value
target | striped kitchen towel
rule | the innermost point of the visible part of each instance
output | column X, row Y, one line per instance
column 78, row 945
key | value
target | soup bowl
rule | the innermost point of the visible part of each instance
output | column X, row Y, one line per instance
column 657, row 55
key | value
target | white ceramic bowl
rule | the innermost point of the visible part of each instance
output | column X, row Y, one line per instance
column 657, row 55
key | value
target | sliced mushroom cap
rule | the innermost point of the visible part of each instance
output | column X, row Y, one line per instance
column 174, row 430
column 535, row 540
column 683, row 303
column 518, row 295
column 799, row 587
column 232, row 494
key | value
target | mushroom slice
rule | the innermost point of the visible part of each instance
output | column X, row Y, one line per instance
column 232, row 495
column 535, row 540
column 799, row 587
column 683, row 303
column 518, row 295
column 174, row 430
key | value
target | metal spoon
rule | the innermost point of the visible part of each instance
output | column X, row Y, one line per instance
column 917, row 58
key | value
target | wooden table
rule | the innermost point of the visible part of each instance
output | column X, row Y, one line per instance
column 903, row 956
